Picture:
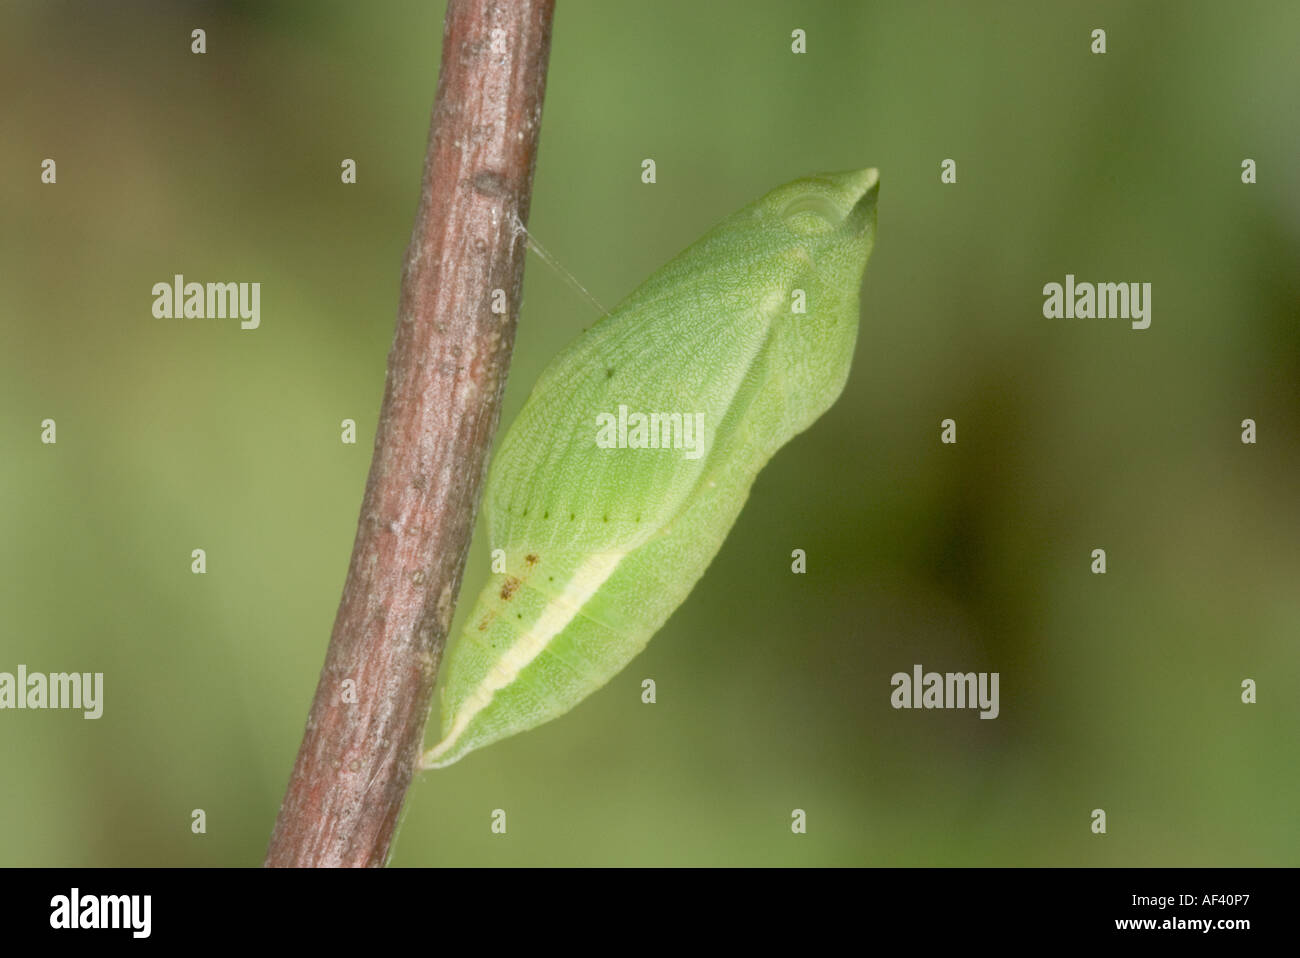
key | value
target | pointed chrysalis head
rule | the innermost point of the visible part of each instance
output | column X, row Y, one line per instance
column 826, row 225
column 830, row 214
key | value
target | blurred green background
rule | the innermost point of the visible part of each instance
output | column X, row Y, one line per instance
column 1119, row 691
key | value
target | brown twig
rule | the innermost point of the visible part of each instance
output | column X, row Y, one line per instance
column 446, row 373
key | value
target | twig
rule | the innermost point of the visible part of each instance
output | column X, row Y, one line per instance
column 446, row 373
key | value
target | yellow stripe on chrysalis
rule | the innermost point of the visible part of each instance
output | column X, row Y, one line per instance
column 557, row 613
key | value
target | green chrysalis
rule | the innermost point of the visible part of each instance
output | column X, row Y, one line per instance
column 630, row 461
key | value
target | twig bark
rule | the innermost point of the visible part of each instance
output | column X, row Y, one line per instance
column 446, row 374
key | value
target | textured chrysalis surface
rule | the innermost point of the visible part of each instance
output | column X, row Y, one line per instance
column 630, row 461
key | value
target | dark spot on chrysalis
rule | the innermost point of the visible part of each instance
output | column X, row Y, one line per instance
column 531, row 559
column 606, row 519
column 509, row 586
column 546, row 514
column 609, row 373
column 572, row 516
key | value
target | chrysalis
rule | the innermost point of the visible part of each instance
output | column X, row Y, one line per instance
column 630, row 461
